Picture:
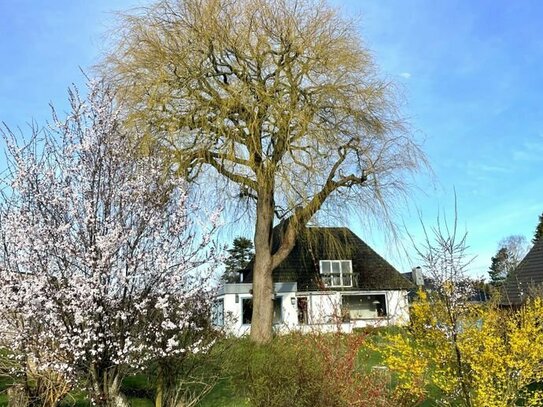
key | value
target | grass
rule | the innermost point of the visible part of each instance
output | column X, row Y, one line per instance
column 223, row 395
column 4, row 384
column 140, row 402
column 138, row 387
column 140, row 392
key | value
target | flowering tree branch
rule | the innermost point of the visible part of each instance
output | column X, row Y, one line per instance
column 100, row 269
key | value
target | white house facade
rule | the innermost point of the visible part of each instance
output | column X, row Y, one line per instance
column 322, row 289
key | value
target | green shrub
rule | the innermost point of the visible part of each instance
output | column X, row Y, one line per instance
column 277, row 374
column 305, row 371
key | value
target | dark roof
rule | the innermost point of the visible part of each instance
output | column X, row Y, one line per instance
column 526, row 278
column 370, row 270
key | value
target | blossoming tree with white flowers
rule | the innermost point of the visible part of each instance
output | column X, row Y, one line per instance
column 100, row 265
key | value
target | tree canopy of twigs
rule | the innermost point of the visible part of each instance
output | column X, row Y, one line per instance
column 278, row 98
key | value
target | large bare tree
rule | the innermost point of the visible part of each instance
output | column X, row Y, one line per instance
column 280, row 98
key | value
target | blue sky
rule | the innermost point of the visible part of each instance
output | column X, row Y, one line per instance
column 473, row 76
column 471, row 73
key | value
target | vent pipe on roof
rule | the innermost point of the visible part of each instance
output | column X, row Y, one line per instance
column 416, row 275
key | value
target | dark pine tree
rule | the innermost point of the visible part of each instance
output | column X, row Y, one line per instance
column 239, row 257
column 500, row 267
column 538, row 235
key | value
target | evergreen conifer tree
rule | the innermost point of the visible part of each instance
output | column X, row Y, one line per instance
column 499, row 268
column 538, row 235
column 239, row 257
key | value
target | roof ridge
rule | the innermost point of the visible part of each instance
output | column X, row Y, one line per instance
column 328, row 227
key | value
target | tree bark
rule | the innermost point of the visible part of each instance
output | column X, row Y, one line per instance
column 106, row 388
column 18, row 396
column 167, row 391
column 262, row 317
column 159, row 397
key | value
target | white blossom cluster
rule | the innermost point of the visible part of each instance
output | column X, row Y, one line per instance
column 100, row 265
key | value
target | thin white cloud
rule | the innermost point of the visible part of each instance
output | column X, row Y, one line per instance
column 482, row 172
column 531, row 150
column 491, row 168
column 405, row 75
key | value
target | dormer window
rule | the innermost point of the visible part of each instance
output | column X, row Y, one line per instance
column 336, row 273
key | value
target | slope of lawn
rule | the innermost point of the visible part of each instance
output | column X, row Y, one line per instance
column 223, row 395
column 4, row 383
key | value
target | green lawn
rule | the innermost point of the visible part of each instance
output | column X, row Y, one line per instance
column 223, row 395
column 4, row 383
column 140, row 394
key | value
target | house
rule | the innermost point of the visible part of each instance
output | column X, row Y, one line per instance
column 526, row 280
column 331, row 280
column 478, row 291
column 418, row 281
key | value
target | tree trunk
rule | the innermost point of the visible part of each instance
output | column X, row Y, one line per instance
column 169, row 389
column 18, row 396
column 167, row 392
column 106, row 388
column 262, row 317
column 159, row 389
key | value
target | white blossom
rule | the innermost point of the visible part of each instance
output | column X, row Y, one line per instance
column 99, row 263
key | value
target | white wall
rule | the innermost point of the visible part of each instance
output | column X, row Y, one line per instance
column 324, row 312
column 398, row 307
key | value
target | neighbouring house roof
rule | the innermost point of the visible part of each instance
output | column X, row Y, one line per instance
column 477, row 294
column 429, row 283
column 370, row 270
column 527, row 279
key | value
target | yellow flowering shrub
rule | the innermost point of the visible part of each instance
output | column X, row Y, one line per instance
column 482, row 356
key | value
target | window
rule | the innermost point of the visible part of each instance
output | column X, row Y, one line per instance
column 303, row 314
column 217, row 313
column 277, row 310
column 364, row 306
column 247, row 310
column 336, row 273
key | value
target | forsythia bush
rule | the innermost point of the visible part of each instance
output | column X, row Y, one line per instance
column 490, row 357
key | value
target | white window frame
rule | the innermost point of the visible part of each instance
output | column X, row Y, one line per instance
column 366, row 294
column 340, row 272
